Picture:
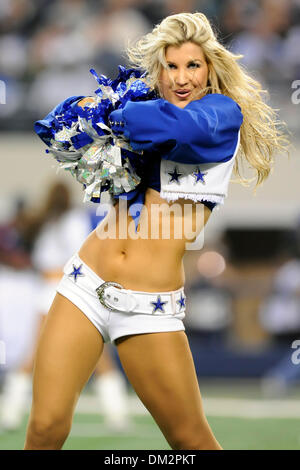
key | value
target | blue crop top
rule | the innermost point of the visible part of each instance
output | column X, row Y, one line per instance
column 200, row 137
column 205, row 132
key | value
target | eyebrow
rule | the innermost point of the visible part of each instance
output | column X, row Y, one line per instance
column 195, row 60
column 188, row 62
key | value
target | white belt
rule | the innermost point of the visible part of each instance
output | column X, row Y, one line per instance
column 113, row 297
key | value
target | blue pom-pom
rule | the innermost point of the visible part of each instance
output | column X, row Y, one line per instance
column 81, row 140
column 102, row 79
column 67, row 114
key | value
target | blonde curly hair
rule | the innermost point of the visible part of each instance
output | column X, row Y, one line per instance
column 262, row 134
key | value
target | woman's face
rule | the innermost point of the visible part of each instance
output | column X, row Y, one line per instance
column 185, row 76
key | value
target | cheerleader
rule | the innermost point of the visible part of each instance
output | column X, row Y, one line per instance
column 126, row 285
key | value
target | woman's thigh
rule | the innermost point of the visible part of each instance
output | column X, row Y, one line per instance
column 67, row 353
column 160, row 367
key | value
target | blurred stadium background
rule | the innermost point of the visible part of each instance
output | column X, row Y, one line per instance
column 243, row 312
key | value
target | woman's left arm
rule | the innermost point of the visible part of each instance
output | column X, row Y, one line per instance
column 205, row 131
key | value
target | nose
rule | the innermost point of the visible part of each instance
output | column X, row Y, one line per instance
column 181, row 78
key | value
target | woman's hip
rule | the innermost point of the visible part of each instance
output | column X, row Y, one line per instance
column 116, row 311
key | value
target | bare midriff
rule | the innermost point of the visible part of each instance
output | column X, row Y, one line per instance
column 153, row 263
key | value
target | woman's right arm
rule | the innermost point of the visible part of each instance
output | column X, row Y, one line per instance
column 205, row 131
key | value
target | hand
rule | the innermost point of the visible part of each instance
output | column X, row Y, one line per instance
column 86, row 101
column 116, row 121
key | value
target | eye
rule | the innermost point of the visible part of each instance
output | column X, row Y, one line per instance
column 171, row 66
column 193, row 65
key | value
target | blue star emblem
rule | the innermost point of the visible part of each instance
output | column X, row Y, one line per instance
column 174, row 176
column 181, row 302
column 158, row 305
column 76, row 272
column 199, row 176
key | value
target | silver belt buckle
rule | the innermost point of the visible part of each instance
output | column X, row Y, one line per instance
column 100, row 292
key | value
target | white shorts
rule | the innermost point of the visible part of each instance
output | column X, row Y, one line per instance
column 146, row 312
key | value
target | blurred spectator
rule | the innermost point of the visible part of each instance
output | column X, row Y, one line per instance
column 60, row 83
column 280, row 316
column 60, row 39
column 280, row 313
column 17, row 238
column 209, row 307
column 13, row 100
column 19, row 15
column 18, row 318
column 63, row 54
column 46, row 241
column 13, row 55
column 157, row 10
column 111, row 29
column 50, row 45
column 69, row 14
column 172, row 7
column 261, row 39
